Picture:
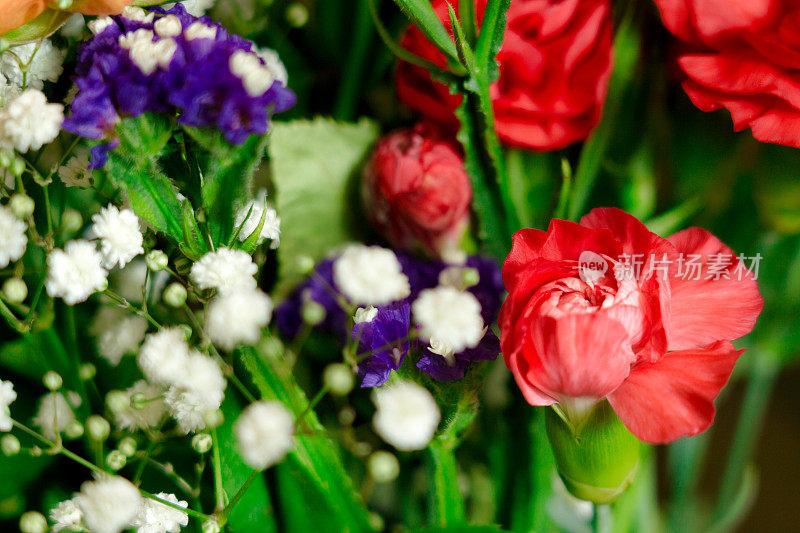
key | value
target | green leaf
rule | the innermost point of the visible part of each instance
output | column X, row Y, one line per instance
column 491, row 36
column 422, row 15
column 253, row 513
column 314, row 167
column 317, row 457
column 42, row 26
column 193, row 244
column 627, row 44
column 227, row 172
column 133, row 167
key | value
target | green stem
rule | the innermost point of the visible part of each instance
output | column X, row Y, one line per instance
column 219, row 491
column 238, row 496
column 602, row 519
column 448, row 502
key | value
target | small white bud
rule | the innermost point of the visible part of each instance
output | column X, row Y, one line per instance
column 52, row 381
column 10, row 445
column 71, row 220
column 74, row 430
column 87, row 371
column 211, row 526
column 17, row 167
column 156, row 260
column 21, row 205
column 338, row 378
column 213, row 419
column 297, row 15
column 313, row 313
column 33, row 522
column 202, row 442
column 174, row 295
column 98, row 428
column 15, row 290
column 305, row 264
column 116, row 460
column 383, row 466
column 127, row 446
column 117, row 401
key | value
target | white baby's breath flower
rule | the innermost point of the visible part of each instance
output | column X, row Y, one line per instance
column 117, row 332
column 99, row 24
column 265, row 434
column 451, row 316
column 120, row 237
column 75, row 172
column 238, row 317
column 108, row 504
column 225, row 270
column 272, row 222
column 75, row 272
column 42, row 61
column 156, row 517
column 28, row 122
column 13, row 240
column 198, row 30
column 66, row 516
column 199, row 391
column 144, row 408
column 256, row 77
column 370, row 275
column 7, row 397
column 54, row 415
column 407, row 415
column 164, row 356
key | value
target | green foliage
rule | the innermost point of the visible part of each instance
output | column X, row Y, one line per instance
column 314, row 168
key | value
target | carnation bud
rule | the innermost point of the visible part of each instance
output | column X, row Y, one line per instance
column 33, row 522
column 338, row 378
column 71, row 220
column 21, row 205
column 156, row 260
column 596, row 456
column 202, row 442
column 15, row 290
column 10, row 445
column 313, row 313
column 127, row 446
column 87, row 371
column 416, row 191
column 175, row 295
column 98, row 428
column 52, row 381
column 116, row 460
column 383, row 466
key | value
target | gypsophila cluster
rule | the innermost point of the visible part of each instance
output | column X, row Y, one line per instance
column 108, row 504
column 264, row 432
column 28, row 121
column 13, row 240
column 225, row 270
column 32, row 64
column 237, row 317
column 55, row 413
column 7, row 397
column 120, row 237
column 370, row 275
column 450, row 316
column 75, row 272
column 139, row 407
column 156, row 517
column 118, row 333
column 406, row 415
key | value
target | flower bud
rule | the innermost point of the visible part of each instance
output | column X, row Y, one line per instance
column 416, row 191
column 156, row 260
column 383, row 466
column 21, row 205
column 52, row 381
column 116, row 460
column 338, row 378
column 71, row 220
column 87, row 371
column 210, row 526
column 214, row 419
column 313, row 313
column 175, row 295
column 201, row 443
column 297, row 15
column 74, row 430
column 15, row 290
column 117, row 401
column 596, row 456
column 33, row 522
column 127, row 446
column 98, row 428
column 10, row 445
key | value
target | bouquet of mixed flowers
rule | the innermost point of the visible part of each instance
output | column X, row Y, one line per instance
column 229, row 304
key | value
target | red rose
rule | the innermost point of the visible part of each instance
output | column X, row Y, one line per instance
column 585, row 321
column 416, row 191
column 743, row 55
column 554, row 69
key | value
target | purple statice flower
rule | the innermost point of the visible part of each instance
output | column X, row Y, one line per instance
column 383, row 342
column 319, row 288
column 455, row 366
column 191, row 67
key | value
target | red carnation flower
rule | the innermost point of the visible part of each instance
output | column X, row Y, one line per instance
column 605, row 309
column 554, row 69
column 416, row 191
column 742, row 55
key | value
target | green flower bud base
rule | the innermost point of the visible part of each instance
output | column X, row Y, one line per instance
column 596, row 456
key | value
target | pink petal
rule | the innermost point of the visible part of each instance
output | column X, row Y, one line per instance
column 707, row 310
column 674, row 397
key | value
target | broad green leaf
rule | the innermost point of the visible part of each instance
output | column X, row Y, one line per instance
column 42, row 26
column 315, row 168
column 227, row 172
column 253, row 513
column 133, row 167
column 317, row 457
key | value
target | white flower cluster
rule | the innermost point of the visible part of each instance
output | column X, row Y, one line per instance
column 80, row 269
column 30, row 65
column 117, row 333
column 139, row 407
column 370, row 275
column 76, row 173
column 13, row 240
column 55, row 413
column 225, row 270
column 7, row 397
column 238, row 317
column 265, row 434
column 27, row 122
column 407, row 415
column 194, row 382
column 450, row 317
